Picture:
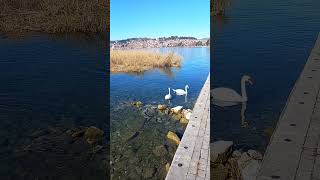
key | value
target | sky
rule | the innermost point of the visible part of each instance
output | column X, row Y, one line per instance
column 159, row 18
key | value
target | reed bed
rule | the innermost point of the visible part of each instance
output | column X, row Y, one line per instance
column 141, row 60
column 54, row 16
column 218, row 7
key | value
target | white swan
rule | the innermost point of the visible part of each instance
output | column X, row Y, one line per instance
column 228, row 97
column 168, row 96
column 181, row 92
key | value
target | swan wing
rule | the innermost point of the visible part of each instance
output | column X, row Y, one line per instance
column 179, row 91
column 226, row 94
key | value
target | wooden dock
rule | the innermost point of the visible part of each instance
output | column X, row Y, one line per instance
column 294, row 149
column 192, row 159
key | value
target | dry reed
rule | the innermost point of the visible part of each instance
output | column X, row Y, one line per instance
column 140, row 61
column 54, row 16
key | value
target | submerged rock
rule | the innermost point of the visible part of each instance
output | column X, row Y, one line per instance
column 167, row 167
column 187, row 113
column 220, row 151
column 177, row 116
column 219, row 172
column 159, row 150
column 173, row 137
column 255, row 154
column 97, row 148
column 250, row 171
column 184, row 121
column 137, row 104
column 148, row 172
column 78, row 134
column 162, row 107
column 176, row 109
column 93, row 135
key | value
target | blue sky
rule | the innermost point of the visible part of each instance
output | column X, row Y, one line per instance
column 158, row 18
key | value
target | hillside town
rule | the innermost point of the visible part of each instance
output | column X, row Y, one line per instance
column 173, row 41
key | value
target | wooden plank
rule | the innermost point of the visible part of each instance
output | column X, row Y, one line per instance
column 192, row 159
column 287, row 156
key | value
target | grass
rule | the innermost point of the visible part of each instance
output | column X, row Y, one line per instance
column 140, row 60
column 54, row 16
column 218, row 7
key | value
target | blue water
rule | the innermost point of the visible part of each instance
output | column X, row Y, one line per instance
column 270, row 41
column 49, row 86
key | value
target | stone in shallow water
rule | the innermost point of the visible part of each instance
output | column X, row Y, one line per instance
column 148, row 172
column 255, row 154
column 220, row 151
column 177, row 116
column 173, row 137
column 162, row 107
column 159, row 150
column 250, row 171
column 137, row 104
column 187, row 113
column 78, row 133
column 167, row 167
column 176, row 109
column 184, row 121
column 93, row 135
column 236, row 154
column 219, row 172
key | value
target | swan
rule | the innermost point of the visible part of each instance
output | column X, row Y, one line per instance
column 228, row 97
column 181, row 92
column 168, row 96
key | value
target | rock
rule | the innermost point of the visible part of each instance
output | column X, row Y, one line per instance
column 137, row 104
column 234, row 171
column 184, row 121
column 159, row 151
column 244, row 160
column 187, row 113
column 167, row 167
column 148, row 172
column 236, row 154
column 162, row 107
column 173, row 137
column 167, row 111
column 219, row 172
column 255, row 154
column 40, row 132
column 176, row 109
column 177, row 116
column 97, row 148
column 93, row 135
column 220, row 151
column 250, row 171
column 78, row 134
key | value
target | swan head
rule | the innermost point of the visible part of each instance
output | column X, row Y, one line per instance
column 186, row 87
column 247, row 78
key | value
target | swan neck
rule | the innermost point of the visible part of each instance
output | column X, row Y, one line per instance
column 169, row 90
column 243, row 90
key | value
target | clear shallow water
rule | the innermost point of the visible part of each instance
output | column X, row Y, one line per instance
column 270, row 41
column 49, row 86
column 135, row 138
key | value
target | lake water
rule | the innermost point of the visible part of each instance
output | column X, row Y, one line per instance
column 138, row 142
column 50, row 87
column 270, row 41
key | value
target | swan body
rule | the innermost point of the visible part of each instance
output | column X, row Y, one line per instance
column 228, row 97
column 168, row 96
column 181, row 92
